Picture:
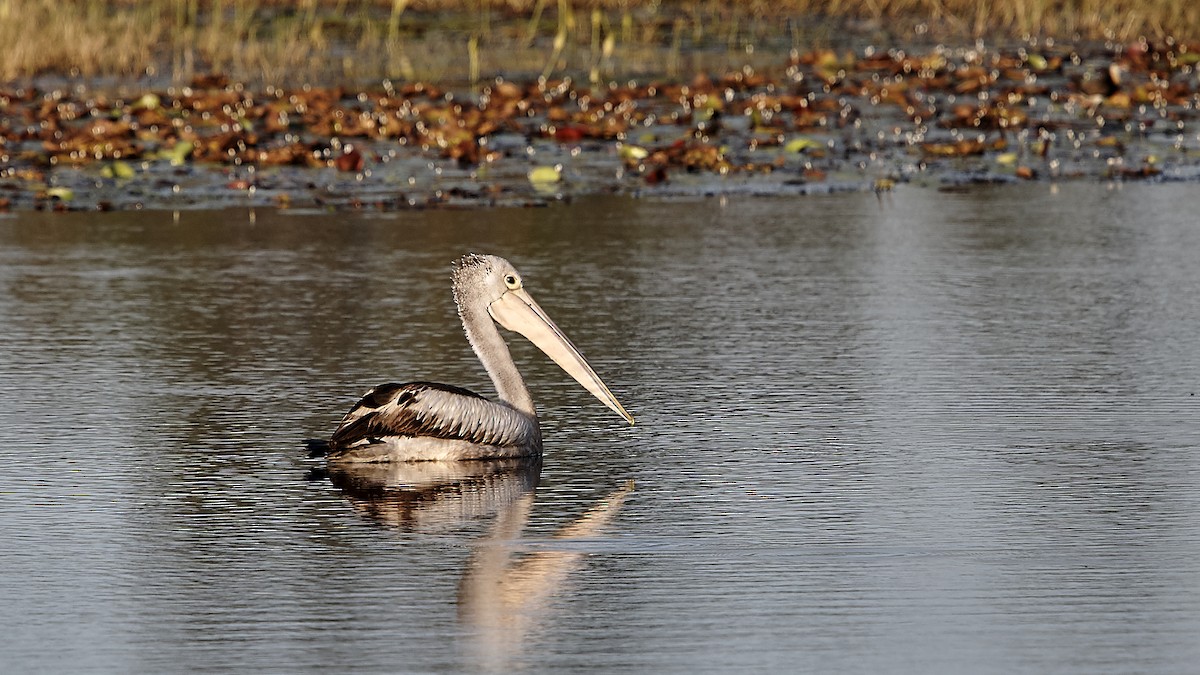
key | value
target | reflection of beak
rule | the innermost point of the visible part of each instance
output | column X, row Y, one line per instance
column 506, row 602
column 516, row 311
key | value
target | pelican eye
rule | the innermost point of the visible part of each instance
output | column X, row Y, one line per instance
column 512, row 281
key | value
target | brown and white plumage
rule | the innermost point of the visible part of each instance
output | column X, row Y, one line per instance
column 425, row 421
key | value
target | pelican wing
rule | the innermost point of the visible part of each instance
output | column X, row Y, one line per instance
column 426, row 409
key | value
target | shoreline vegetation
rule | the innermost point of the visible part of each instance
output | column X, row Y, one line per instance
column 274, row 41
column 333, row 104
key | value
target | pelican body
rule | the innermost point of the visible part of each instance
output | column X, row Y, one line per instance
column 424, row 421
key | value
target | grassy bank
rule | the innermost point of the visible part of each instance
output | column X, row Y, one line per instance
column 279, row 39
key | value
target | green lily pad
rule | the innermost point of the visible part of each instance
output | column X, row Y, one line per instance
column 117, row 169
column 801, row 144
column 632, row 152
column 545, row 175
column 178, row 153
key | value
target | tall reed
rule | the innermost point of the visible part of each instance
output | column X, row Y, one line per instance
column 273, row 39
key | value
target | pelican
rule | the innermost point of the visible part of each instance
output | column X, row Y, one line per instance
column 424, row 421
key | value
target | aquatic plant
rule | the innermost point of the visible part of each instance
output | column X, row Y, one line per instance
column 869, row 116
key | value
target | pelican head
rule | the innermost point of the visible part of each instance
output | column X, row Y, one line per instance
column 488, row 283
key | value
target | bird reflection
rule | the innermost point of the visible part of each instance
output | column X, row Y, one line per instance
column 433, row 496
column 504, row 600
column 505, row 590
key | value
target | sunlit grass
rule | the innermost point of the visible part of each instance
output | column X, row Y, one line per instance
column 69, row 37
column 289, row 39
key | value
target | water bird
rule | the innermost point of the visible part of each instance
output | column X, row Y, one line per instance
column 425, row 421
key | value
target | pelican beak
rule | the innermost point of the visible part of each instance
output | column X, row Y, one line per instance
column 516, row 311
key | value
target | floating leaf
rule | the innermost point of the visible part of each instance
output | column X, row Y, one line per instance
column 656, row 175
column 117, row 169
column 1119, row 100
column 545, row 175
column 148, row 101
column 801, row 144
column 570, row 133
column 1007, row 159
column 632, row 153
column 351, row 159
column 60, row 193
column 1037, row 61
column 1145, row 171
column 178, row 153
column 961, row 148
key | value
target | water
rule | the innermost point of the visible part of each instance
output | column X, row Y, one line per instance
column 933, row 432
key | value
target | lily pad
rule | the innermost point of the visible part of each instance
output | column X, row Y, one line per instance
column 118, row 169
column 545, row 175
column 632, row 152
column 147, row 101
column 801, row 144
column 179, row 153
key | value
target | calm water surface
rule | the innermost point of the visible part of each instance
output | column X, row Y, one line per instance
column 929, row 433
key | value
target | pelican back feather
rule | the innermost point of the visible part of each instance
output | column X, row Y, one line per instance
column 430, row 410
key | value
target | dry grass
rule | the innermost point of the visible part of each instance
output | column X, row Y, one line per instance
column 1122, row 20
column 274, row 40
column 42, row 35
